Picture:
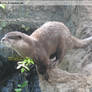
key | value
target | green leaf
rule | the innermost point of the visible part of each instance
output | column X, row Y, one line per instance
column 22, row 70
column 27, row 28
column 23, row 26
column 19, row 66
column 26, row 68
column 24, row 62
column 24, row 84
column 18, row 89
column 32, row 61
column 19, row 85
column 3, row 6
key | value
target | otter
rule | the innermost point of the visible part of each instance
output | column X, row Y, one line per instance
column 50, row 40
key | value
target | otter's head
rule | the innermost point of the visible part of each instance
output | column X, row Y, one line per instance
column 15, row 40
column 11, row 39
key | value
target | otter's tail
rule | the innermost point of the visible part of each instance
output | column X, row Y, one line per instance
column 81, row 43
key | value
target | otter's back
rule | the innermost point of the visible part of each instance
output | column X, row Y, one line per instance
column 51, row 30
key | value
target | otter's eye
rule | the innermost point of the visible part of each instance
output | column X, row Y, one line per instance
column 15, row 37
column 19, row 37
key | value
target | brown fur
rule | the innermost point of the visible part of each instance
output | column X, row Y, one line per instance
column 50, row 40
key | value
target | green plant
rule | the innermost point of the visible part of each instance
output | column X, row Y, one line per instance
column 21, row 86
column 25, row 27
column 3, row 6
column 24, row 66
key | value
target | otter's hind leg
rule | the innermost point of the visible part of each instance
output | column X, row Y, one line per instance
column 59, row 54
